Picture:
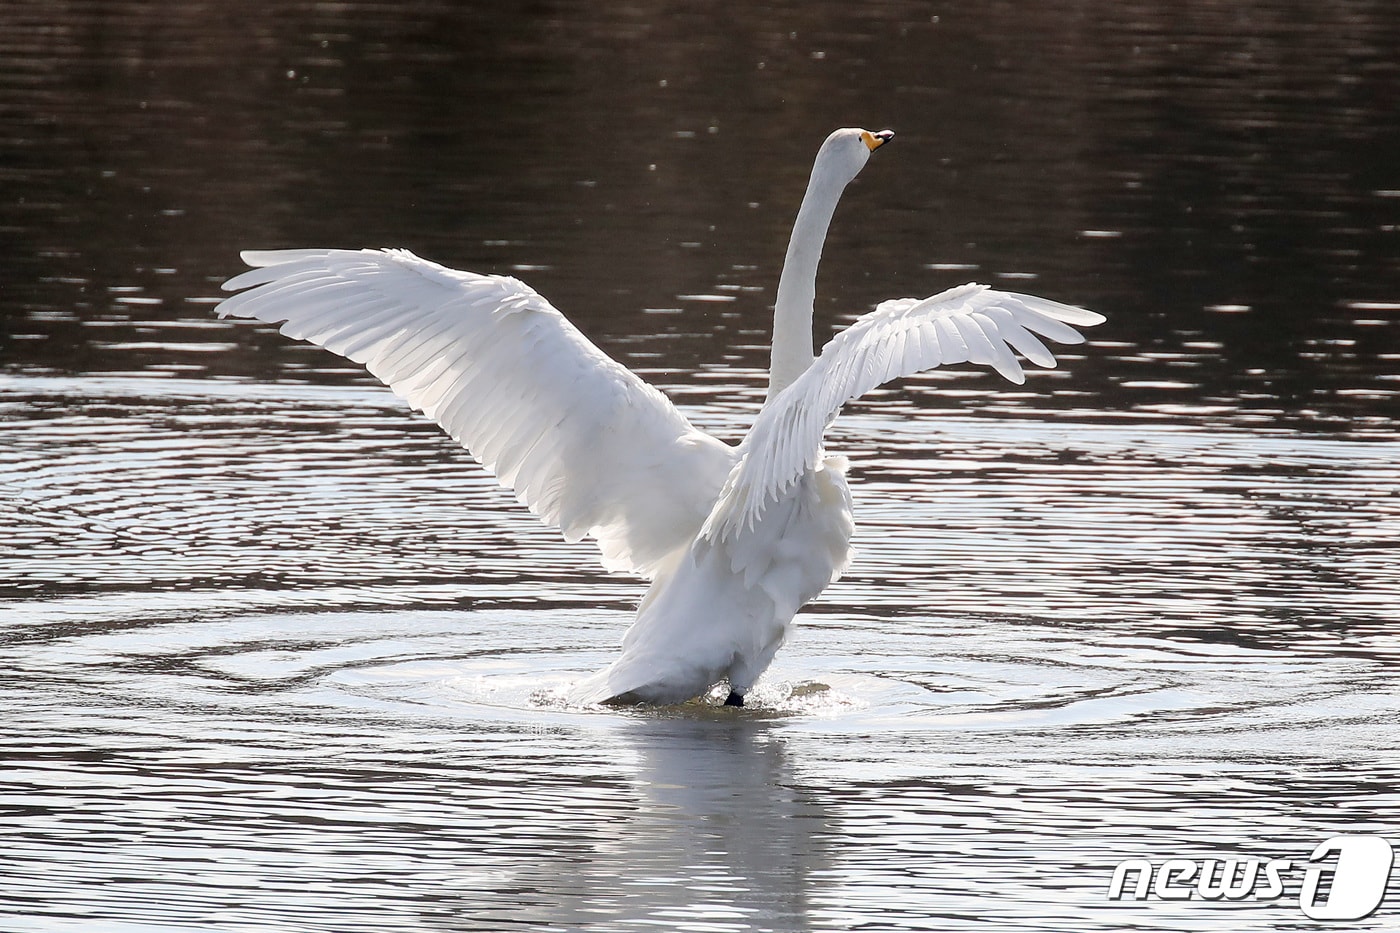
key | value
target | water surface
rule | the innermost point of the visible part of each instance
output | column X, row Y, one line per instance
column 279, row 655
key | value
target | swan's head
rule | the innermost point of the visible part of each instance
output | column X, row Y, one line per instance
column 845, row 152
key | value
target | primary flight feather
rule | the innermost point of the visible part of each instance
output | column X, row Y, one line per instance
column 734, row 540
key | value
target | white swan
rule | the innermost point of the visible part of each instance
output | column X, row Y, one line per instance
column 734, row 540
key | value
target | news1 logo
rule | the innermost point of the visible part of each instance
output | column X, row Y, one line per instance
column 1349, row 889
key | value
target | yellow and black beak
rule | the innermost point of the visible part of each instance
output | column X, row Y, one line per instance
column 876, row 140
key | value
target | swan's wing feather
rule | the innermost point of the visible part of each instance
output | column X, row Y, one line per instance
column 970, row 323
column 585, row 444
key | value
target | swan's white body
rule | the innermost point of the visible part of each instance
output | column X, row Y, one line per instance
column 735, row 540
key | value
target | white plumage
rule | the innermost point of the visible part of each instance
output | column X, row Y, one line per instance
column 903, row 336
column 735, row 540
column 585, row 444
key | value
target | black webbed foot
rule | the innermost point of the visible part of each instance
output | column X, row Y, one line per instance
column 734, row 699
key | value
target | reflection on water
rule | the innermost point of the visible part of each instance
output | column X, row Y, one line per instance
column 1062, row 644
column 279, row 656
column 335, row 765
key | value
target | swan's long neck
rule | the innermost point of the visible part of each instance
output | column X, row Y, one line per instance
column 797, row 286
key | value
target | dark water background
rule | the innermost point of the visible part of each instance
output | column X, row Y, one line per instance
column 277, row 655
column 1221, row 177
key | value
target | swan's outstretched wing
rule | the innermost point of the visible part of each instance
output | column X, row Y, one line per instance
column 585, row 444
column 970, row 323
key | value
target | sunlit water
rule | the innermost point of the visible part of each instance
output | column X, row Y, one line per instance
column 290, row 656
column 277, row 655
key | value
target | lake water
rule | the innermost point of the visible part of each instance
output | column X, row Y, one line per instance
column 279, row 656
